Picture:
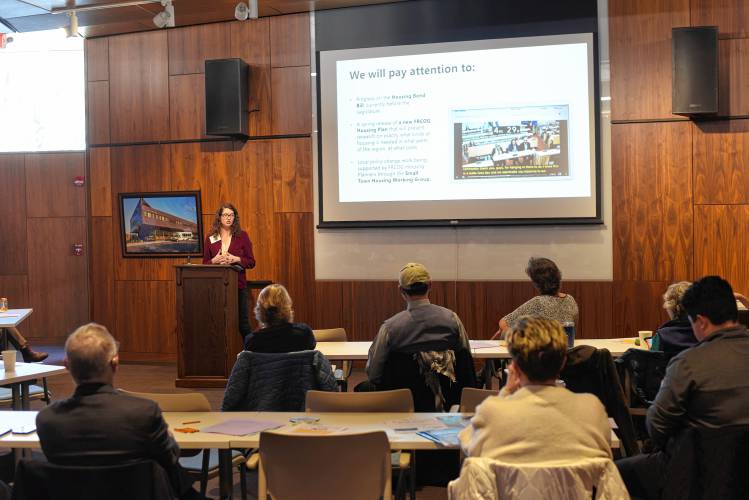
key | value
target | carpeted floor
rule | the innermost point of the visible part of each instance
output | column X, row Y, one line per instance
column 160, row 378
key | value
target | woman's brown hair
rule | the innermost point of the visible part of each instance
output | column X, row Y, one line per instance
column 235, row 227
column 545, row 275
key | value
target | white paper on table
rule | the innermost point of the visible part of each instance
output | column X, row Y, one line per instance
column 401, row 436
column 485, row 344
column 414, row 424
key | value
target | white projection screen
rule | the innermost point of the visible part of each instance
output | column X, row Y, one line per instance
column 481, row 132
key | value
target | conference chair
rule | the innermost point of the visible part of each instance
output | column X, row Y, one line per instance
column 351, row 466
column 591, row 370
column 336, row 335
column 708, row 463
column 471, row 397
column 396, row 401
column 144, row 480
column 480, row 477
column 200, row 464
column 402, row 372
column 642, row 372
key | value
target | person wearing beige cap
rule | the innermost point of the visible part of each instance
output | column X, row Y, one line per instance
column 422, row 327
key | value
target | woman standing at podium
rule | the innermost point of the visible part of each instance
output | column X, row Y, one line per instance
column 228, row 244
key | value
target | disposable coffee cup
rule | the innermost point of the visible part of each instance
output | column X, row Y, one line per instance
column 9, row 361
column 644, row 334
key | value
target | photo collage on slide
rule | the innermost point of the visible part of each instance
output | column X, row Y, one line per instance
column 515, row 142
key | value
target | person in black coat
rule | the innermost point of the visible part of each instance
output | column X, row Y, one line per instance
column 278, row 333
column 99, row 425
column 676, row 334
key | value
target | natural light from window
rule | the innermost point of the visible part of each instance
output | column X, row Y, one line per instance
column 42, row 93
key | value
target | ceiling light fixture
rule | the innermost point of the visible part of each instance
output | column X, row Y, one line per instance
column 243, row 11
column 165, row 18
column 71, row 30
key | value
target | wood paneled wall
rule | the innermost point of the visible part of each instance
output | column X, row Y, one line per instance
column 43, row 216
column 681, row 188
column 147, row 133
column 680, row 203
column 146, row 127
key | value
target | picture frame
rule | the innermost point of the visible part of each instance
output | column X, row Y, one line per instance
column 161, row 224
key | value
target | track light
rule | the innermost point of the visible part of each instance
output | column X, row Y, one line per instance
column 246, row 10
column 241, row 11
column 71, row 30
column 165, row 18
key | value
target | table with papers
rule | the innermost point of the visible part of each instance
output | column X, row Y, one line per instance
column 480, row 349
column 403, row 430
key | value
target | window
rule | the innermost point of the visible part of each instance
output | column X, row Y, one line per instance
column 42, row 93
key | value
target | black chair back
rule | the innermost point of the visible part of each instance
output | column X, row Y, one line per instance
column 591, row 370
column 708, row 463
column 144, row 480
column 645, row 370
column 402, row 372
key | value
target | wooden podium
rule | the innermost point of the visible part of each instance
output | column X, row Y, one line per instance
column 208, row 338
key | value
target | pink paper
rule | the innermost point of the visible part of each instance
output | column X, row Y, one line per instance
column 241, row 427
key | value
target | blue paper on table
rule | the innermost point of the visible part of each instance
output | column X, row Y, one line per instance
column 241, row 427
column 445, row 437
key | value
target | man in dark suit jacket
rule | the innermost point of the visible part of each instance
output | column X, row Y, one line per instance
column 98, row 425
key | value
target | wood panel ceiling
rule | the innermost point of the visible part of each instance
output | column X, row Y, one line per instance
column 110, row 17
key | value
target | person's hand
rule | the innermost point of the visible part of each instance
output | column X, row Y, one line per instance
column 218, row 259
column 742, row 298
column 513, row 380
column 232, row 259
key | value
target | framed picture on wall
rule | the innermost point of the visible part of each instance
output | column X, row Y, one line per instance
column 166, row 224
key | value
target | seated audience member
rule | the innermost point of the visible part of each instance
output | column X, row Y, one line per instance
column 550, row 303
column 277, row 333
column 705, row 386
column 743, row 299
column 20, row 343
column 676, row 334
column 100, row 426
column 422, row 327
column 534, row 420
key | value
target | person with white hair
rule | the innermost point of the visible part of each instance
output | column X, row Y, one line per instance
column 98, row 425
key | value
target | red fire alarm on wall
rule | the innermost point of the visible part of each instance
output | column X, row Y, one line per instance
column 78, row 249
column 79, row 181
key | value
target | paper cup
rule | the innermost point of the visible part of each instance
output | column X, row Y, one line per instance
column 9, row 361
column 644, row 334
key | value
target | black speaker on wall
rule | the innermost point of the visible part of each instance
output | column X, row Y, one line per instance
column 227, row 95
column 695, row 70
